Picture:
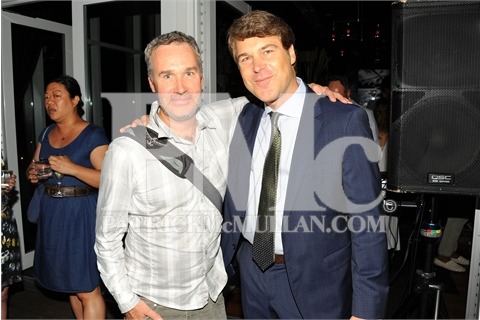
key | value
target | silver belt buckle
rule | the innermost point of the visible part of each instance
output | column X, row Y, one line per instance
column 58, row 194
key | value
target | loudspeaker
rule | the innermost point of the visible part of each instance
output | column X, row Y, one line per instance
column 433, row 144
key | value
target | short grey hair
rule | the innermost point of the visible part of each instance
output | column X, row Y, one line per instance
column 168, row 38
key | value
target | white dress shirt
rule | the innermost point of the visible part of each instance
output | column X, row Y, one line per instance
column 288, row 123
column 382, row 164
column 171, row 252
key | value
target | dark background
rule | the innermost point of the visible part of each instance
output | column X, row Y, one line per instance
column 356, row 34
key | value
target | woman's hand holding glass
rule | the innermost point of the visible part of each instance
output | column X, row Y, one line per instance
column 53, row 166
column 39, row 170
column 42, row 169
column 32, row 173
column 61, row 165
column 8, row 181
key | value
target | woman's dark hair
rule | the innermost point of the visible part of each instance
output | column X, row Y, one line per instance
column 381, row 112
column 73, row 89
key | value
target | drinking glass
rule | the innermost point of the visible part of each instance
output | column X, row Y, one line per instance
column 59, row 177
column 6, row 175
column 42, row 168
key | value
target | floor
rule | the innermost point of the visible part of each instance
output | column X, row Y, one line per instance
column 28, row 301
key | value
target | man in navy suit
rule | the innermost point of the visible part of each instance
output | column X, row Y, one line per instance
column 330, row 258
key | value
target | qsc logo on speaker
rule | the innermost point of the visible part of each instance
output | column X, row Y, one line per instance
column 441, row 178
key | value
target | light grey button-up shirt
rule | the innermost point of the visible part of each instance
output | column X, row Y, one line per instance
column 171, row 252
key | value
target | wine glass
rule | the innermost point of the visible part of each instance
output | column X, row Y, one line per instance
column 59, row 177
column 6, row 175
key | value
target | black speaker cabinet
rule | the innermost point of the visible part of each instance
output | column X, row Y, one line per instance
column 434, row 140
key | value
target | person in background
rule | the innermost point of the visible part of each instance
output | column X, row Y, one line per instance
column 11, row 256
column 448, row 257
column 456, row 210
column 382, row 118
column 342, row 85
column 65, row 259
column 385, row 92
column 309, row 273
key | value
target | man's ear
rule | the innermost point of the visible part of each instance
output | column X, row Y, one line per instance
column 152, row 85
column 293, row 55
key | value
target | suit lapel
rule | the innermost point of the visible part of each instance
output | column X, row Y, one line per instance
column 305, row 147
column 241, row 150
column 249, row 121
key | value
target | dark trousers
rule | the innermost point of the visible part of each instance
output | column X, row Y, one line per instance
column 265, row 295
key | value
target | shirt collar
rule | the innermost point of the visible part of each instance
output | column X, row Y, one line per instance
column 294, row 105
column 204, row 121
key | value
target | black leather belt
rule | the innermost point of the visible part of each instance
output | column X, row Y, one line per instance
column 279, row 259
column 63, row 192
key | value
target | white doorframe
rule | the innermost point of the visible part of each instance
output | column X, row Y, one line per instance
column 206, row 37
column 8, row 103
column 195, row 17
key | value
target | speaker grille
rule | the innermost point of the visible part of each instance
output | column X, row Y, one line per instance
column 435, row 116
column 438, row 134
column 438, row 44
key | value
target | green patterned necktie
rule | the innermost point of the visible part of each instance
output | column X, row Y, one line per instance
column 263, row 242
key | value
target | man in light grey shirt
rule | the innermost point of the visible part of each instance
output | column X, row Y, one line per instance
column 157, row 235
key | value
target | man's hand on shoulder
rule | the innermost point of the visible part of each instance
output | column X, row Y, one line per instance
column 333, row 96
column 143, row 121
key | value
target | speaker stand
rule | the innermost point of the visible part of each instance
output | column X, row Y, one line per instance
column 426, row 300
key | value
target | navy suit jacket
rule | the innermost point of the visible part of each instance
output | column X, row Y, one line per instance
column 335, row 259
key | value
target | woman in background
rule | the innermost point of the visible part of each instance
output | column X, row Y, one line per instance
column 382, row 117
column 65, row 260
column 11, row 257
